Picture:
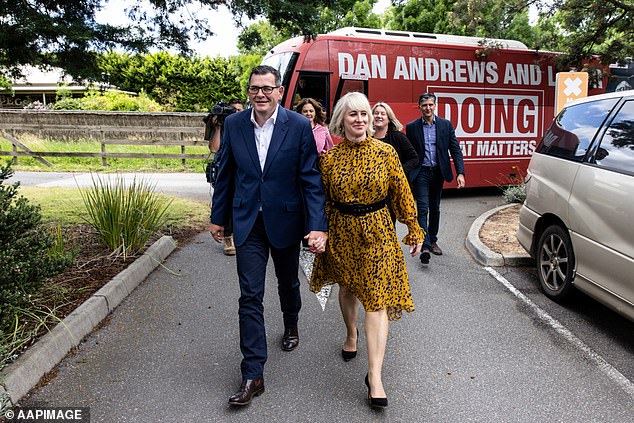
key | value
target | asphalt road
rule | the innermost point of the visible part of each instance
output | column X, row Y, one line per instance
column 471, row 352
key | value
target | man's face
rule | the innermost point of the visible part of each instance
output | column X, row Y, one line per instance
column 239, row 107
column 427, row 108
column 264, row 104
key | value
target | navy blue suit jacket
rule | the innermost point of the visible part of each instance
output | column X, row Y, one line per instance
column 446, row 143
column 289, row 189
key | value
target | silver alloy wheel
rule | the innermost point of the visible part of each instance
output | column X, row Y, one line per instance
column 555, row 262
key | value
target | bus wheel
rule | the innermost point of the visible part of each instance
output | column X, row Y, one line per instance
column 555, row 263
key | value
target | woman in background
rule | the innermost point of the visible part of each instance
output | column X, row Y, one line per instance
column 387, row 129
column 363, row 255
column 317, row 117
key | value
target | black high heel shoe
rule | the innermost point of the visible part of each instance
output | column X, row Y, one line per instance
column 374, row 402
column 349, row 355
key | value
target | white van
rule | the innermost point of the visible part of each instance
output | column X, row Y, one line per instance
column 577, row 221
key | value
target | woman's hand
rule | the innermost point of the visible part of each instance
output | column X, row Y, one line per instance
column 415, row 249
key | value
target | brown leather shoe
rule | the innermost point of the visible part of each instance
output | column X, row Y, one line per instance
column 435, row 249
column 250, row 388
column 290, row 340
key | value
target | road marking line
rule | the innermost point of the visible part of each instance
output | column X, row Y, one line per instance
column 605, row 367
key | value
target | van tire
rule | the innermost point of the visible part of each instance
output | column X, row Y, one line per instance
column 555, row 263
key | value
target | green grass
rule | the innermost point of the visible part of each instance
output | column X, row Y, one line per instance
column 65, row 207
column 81, row 164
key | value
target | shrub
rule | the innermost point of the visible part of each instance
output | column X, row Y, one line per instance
column 26, row 257
column 68, row 103
column 125, row 218
column 110, row 101
column 514, row 193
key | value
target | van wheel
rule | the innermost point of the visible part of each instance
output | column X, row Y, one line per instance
column 555, row 263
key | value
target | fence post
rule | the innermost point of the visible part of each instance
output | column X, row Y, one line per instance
column 104, row 161
column 180, row 138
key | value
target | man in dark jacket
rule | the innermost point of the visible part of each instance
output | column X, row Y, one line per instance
column 434, row 138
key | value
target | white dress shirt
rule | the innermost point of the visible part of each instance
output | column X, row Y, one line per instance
column 263, row 135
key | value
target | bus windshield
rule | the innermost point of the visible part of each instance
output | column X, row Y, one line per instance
column 284, row 63
column 279, row 61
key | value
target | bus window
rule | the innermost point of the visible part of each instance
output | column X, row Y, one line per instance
column 346, row 86
column 315, row 85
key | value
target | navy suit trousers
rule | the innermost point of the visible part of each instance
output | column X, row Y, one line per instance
column 252, row 257
column 427, row 190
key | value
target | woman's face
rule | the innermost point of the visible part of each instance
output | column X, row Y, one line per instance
column 355, row 124
column 380, row 117
column 309, row 111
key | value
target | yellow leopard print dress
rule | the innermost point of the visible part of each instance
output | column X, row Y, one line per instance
column 363, row 253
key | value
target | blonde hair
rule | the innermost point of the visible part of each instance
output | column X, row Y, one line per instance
column 351, row 101
column 394, row 124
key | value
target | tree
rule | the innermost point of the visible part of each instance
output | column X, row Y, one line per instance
column 601, row 27
column 179, row 83
column 348, row 13
column 65, row 33
column 260, row 37
column 577, row 28
column 429, row 16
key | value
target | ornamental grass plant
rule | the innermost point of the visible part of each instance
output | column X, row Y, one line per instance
column 124, row 217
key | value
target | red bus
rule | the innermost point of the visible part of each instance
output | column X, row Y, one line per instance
column 500, row 99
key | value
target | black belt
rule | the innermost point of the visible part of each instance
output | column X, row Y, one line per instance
column 429, row 167
column 359, row 209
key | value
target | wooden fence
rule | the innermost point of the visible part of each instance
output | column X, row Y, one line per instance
column 165, row 129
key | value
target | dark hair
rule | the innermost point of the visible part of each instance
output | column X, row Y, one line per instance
column 426, row 96
column 320, row 115
column 235, row 101
column 264, row 70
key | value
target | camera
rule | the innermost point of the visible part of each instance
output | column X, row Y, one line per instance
column 220, row 110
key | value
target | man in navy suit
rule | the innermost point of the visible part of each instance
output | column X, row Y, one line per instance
column 268, row 179
column 434, row 138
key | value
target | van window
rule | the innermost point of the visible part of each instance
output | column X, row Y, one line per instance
column 616, row 151
column 573, row 130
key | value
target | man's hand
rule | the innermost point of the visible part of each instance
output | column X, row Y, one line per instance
column 415, row 249
column 317, row 241
column 460, row 180
column 217, row 231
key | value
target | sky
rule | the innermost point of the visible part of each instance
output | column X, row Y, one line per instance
column 224, row 43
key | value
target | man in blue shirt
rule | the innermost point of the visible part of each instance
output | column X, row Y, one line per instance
column 434, row 138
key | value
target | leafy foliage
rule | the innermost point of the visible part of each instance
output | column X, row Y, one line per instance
column 65, row 33
column 109, row 100
column 514, row 193
column 577, row 28
column 125, row 217
column 178, row 83
column 26, row 251
column 601, row 27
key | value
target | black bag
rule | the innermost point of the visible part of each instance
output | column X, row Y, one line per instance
column 211, row 171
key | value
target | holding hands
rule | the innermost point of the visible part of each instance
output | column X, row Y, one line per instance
column 415, row 249
column 317, row 241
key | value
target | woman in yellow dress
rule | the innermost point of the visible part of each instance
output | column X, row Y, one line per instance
column 363, row 255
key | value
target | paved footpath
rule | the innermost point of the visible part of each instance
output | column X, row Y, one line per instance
column 471, row 352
